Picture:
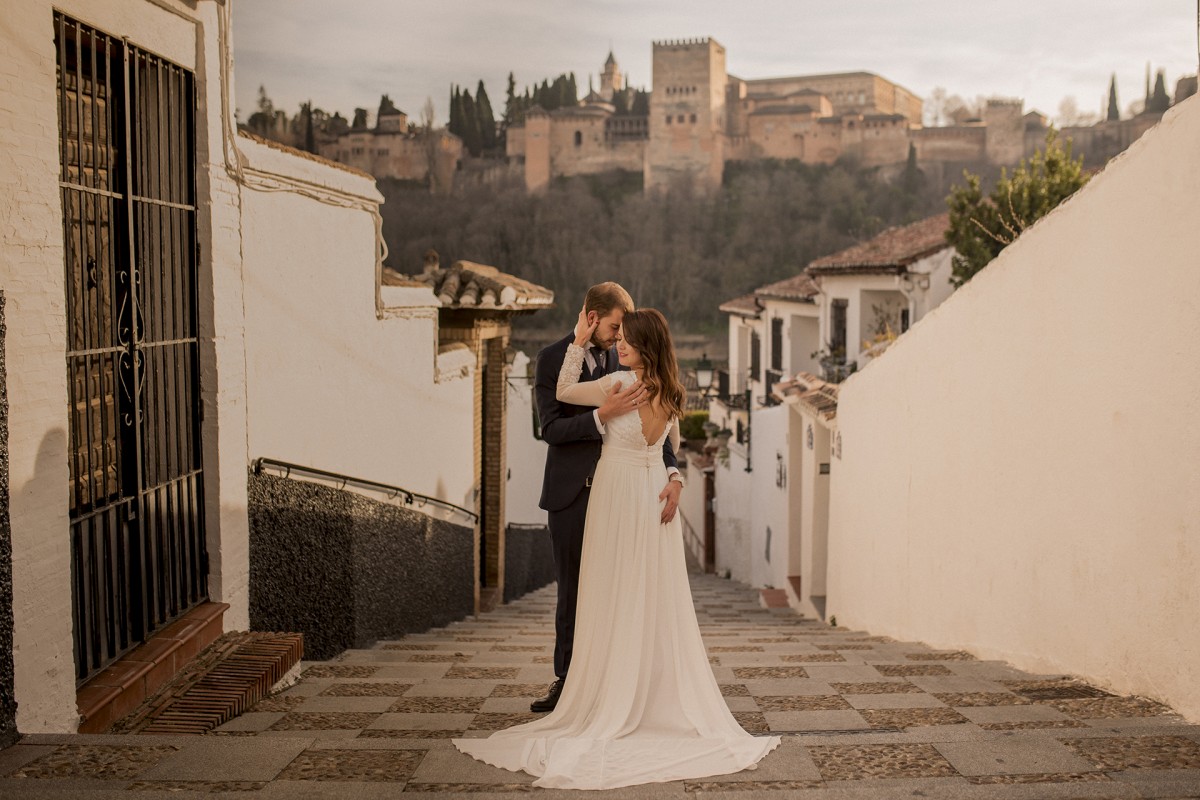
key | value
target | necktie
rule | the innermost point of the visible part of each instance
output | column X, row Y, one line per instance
column 598, row 356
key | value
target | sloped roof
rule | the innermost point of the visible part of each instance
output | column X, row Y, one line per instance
column 798, row 287
column 805, row 389
column 467, row 285
column 890, row 251
column 744, row 306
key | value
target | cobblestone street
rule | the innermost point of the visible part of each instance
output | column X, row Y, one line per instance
column 862, row 716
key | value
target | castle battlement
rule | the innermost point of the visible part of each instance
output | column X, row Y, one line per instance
column 675, row 43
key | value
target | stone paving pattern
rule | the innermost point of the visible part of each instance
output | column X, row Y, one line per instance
column 862, row 717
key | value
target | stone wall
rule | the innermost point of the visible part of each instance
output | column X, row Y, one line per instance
column 8, row 702
column 347, row 571
column 528, row 560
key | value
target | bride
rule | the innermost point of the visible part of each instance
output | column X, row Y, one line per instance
column 641, row 704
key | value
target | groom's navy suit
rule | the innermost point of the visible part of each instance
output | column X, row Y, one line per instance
column 574, row 448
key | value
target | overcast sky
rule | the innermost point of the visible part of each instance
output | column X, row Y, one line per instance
column 346, row 54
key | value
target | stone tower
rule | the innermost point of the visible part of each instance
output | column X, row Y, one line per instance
column 1005, row 126
column 611, row 79
column 687, row 114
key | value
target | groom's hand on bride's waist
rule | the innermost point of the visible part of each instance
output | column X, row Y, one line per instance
column 621, row 401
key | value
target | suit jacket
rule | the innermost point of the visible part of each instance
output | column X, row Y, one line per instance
column 569, row 430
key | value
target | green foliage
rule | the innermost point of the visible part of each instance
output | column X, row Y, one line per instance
column 981, row 226
column 691, row 426
column 681, row 251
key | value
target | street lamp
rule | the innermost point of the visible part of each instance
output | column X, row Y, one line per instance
column 704, row 375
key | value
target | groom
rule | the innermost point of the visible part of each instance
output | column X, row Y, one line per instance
column 573, row 435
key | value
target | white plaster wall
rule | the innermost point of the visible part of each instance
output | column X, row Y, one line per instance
column 733, row 516
column 691, row 508
column 769, row 504
column 526, row 454
column 1018, row 472
column 938, row 267
column 330, row 385
column 31, row 271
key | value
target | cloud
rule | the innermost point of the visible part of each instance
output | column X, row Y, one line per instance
column 348, row 54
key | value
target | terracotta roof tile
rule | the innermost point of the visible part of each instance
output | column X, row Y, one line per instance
column 890, row 251
column 479, row 286
column 744, row 306
column 806, row 389
column 798, row 287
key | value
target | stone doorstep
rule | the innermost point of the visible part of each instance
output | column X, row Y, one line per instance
column 125, row 684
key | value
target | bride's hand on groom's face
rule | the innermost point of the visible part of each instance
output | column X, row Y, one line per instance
column 585, row 327
column 622, row 401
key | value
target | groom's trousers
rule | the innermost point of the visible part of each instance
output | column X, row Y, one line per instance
column 566, row 538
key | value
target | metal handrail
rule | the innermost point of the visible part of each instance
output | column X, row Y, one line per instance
column 393, row 492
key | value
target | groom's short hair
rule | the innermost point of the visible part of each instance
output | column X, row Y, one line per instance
column 604, row 297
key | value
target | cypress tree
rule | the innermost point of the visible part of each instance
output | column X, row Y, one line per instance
column 470, row 123
column 455, row 124
column 487, row 119
column 510, row 101
column 310, row 140
column 1159, row 101
column 1114, row 113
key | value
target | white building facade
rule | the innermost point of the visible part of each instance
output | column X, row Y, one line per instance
column 218, row 301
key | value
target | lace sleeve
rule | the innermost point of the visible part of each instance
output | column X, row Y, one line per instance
column 570, row 390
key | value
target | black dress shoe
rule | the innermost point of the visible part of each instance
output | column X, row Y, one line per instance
column 548, row 702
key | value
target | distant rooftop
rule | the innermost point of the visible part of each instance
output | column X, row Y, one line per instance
column 798, row 287
column 744, row 306
column 891, row 251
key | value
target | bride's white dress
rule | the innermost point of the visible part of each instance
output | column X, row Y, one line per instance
column 640, row 704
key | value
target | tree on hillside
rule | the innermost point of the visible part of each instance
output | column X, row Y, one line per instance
column 262, row 121
column 310, row 139
column 471, row 134
column 981, row 226
column 1159, row 101
column 1114, row 111
column 486, row 118
column 360, row 120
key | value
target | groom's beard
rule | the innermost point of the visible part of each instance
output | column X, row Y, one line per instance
column 601, row 344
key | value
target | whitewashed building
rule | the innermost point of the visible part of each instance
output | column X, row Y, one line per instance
column 783, row 336
column 183, row 307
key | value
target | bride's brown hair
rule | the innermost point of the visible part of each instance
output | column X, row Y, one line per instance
column 646, row 331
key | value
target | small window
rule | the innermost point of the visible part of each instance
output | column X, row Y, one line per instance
column 904, row 323
column 693, row 118
column 679, row 119
column 668, row 119
column 777, row 344
column 578, row 138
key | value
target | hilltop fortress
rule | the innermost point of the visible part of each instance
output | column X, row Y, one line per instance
column 702, row 117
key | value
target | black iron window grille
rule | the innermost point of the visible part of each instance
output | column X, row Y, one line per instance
column 127, row 156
